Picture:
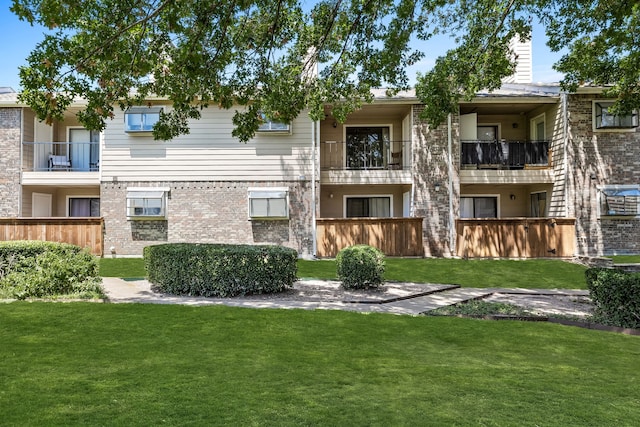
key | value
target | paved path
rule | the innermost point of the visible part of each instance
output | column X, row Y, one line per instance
column 121, row 291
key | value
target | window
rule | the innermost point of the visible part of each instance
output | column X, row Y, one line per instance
column 605, row 120
column 621, row 200
column 368, row 207
column 538, row 128
column 85, row 149
column 366, row 146
column 84, row 207
column 488, row 133
column 147, row 203
column 272, row 203
column 273, row 126
column 479, row 207
column 539, row 204
column 141, row 119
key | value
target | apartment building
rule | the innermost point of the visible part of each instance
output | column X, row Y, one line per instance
column 525, row 171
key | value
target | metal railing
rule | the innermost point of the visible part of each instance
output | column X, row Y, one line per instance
column 60, row 156
column 505, row 154
column 364, row 155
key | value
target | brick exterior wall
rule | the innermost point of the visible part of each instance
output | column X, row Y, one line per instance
column 205, row 212
column 10, row 140
column 431, row 167
column 597, row 159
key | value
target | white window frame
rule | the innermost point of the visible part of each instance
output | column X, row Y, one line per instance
column 365, row 196
column 540, row 118
column 273, row 127
column 142, row 195
column 366, row 125
column 498, row 127
column 597, row 103
column 143, row 112
column 79, row 196
column 268, row 194
column 495, row 196
column 603, row 203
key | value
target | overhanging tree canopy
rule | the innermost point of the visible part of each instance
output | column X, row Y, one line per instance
column 262, row 54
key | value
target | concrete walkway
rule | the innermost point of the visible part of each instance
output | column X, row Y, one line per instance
column 122, row 291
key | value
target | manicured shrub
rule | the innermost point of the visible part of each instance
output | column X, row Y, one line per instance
column 217, row 270
column 360, row 267
column 35, row 269
column 616, row 296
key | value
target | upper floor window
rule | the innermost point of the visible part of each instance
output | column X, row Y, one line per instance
column 141, row 119
column 606, row 120
column 538, row 128
column 623, row 200
column 366, row 146
column 275, row 126
column 488, row 133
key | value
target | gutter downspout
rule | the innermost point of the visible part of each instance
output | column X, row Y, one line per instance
column 314, row 126
column 452, row 228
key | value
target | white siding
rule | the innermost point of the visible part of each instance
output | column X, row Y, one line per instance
column 524, row 62
column 208, row 153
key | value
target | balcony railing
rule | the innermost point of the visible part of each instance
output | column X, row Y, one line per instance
column 364, row 155
column 504, row 154
column 60, row 156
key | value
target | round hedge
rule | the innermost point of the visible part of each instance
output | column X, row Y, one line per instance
column 360, row 267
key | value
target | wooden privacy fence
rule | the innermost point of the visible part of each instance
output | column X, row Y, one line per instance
column 84, row 232
column 393, row 236
column 515, row 237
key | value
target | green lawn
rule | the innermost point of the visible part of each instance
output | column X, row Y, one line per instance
column 540, row 274
column 625, row 259
column 109, row 364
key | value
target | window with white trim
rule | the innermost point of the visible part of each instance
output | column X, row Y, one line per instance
column 478, row 207
column 368, row 207
column 147, row 203
column 84, row 206
column 538, row 132
column 269, row 203
column 269, row 125
column 141, row 119
column 622, row 200
column 605, row 120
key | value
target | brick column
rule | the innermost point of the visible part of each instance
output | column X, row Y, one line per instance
column 430, row 166
column 10, row 141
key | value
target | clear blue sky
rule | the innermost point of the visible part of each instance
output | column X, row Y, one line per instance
column 19, row 38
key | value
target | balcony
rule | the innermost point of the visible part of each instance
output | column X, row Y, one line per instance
column 504, row 154
column 365, row 162
column 503, row 161
column 54, row 163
